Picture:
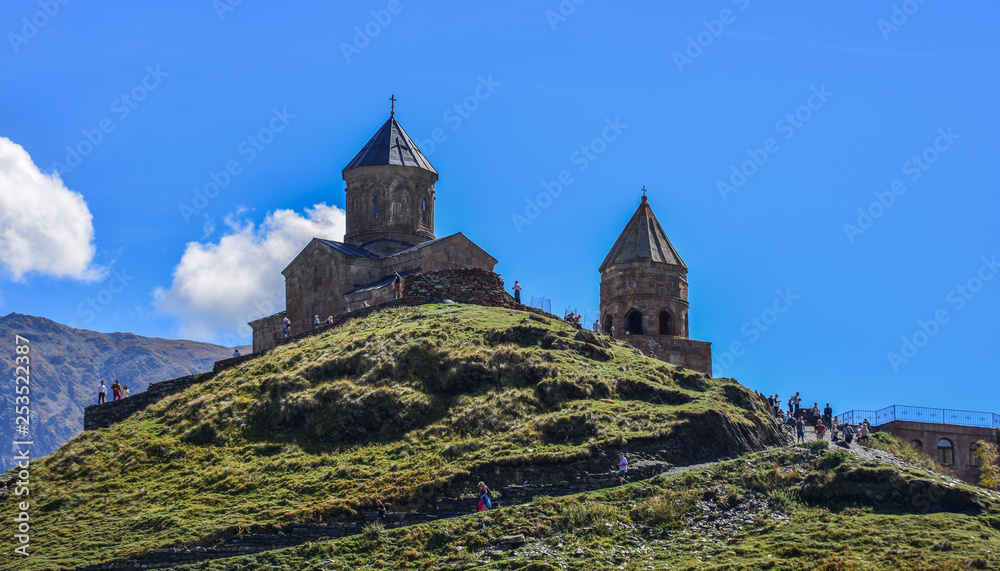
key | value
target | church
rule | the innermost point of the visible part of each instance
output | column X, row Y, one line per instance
column 390, row 208
column 644, row 294
column 390, row 229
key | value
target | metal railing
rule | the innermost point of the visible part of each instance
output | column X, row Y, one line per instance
column 922, row 414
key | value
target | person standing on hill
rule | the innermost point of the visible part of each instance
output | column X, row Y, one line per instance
column 848, row 433
column 485, row 503
column 828, row 415
column 517, row 292
column 863, row 433
column 622, row 467
column 286, row 326
column 397, row 286
column 102, row 393
column 125, row 392
column 820, row 429
column 116, row 391
column 381, row 512
column 611, row 331
column 597, row 326
column 316, row 321
column 800, row 428
column 236, row 353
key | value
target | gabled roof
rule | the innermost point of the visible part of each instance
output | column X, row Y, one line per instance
column 643, row 239
column 391, row 146
column 348, row 249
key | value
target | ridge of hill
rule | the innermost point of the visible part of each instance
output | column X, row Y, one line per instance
column 409, row 405
column 67, row 365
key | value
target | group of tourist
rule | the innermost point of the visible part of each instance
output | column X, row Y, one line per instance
column 118, row 391
column 821, row 420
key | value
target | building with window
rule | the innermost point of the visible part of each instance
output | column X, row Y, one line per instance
column 390, row 229
column 644, row 294
column 948, row 436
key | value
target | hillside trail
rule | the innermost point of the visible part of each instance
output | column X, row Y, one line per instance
column 271, row 538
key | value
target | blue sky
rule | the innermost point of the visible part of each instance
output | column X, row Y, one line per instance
column 825, row 107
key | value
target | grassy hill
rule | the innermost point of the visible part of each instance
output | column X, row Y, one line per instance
column 797, row 508
column 406, row 405
column 67, row 365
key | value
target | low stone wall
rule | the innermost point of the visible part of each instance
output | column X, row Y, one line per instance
column 680, row 351
column 104, row 415
column 465, row 285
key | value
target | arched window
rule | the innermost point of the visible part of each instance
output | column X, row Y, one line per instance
column 946, row 452
column 666, row 323
column 376, row 205
column 423, row 211
column 608, row 324
column 633, row 322
column 917, row 444
column 973, row 458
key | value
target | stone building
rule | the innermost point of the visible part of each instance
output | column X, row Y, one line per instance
column 948, row 436
column 390, row 228
column 644, row 294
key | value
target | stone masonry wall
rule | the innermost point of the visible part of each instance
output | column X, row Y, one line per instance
column 688, row 353
column 928, row 434
column 104, row 415
column 648, row 287
column 465, row 285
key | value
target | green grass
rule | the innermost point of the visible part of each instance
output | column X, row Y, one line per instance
column 395, row 406
column 810, row 513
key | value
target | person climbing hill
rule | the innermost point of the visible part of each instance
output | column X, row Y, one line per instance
column 485, row 503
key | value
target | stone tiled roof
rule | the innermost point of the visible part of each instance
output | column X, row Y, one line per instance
column 391, row 146
column 348, row 249
column 643, row 239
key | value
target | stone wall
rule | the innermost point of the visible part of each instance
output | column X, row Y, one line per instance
column 104, row 415
column 317, row 282
column 649, row 287
column 928, row 434
column 464, row 285
column 266, row 331
column 688, row 353
column 405, row 205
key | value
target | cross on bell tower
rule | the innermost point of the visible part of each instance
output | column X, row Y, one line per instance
column 392, row 111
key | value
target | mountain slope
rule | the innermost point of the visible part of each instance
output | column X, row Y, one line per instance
column 408, row 404
column 68, row 364
column 795, row 508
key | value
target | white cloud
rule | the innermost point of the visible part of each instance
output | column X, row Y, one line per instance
column 45, row 228
column 219, row 286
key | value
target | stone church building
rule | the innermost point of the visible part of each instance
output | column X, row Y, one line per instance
column 644, row 294
column 390, row 228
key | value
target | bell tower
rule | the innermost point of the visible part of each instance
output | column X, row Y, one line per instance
column 390, row 192
column 644, row 294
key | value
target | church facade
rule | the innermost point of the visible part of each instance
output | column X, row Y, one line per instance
column 644, row 294
column 390, row 228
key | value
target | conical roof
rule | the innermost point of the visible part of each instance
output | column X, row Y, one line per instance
column 643, row 239
column 391, row 146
